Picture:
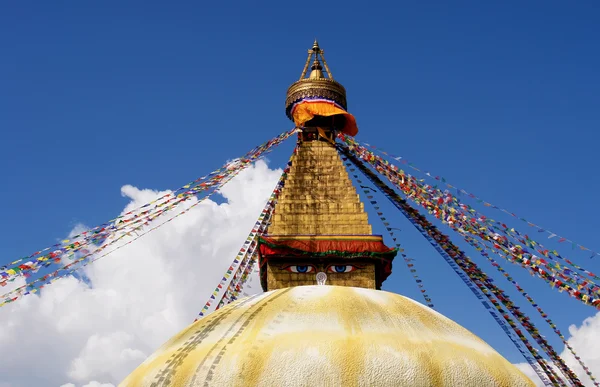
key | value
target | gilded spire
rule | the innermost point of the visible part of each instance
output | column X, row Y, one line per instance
column 318, row 84
column 320, row 232
column 316, row 68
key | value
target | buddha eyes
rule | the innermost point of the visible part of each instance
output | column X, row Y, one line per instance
column 300, row 268
column 341, row 268
column 311, row 269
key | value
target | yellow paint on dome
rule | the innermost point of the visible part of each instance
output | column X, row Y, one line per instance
column 326, row 336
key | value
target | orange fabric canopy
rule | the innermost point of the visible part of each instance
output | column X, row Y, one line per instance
column 304, row 111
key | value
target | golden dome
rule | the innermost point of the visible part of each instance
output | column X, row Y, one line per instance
column 326, row 336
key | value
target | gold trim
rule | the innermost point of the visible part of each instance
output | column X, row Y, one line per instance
column 311, row 88
column 374, row 238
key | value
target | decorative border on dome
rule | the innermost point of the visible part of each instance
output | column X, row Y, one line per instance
column 315, row 88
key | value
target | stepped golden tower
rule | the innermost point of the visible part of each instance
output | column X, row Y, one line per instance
column 320, row 226
column 323, row 320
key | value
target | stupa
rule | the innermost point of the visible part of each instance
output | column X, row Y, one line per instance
column 323, row 320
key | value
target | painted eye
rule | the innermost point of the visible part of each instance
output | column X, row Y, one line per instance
column 300, row 268
column 341, row 268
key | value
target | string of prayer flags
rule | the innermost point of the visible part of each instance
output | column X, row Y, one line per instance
column 476, row 276
column 535, row 305
column 244, row 271
column 469, row 222
column 64, row 250
column 490, row 222
column 466, row 221
column 111, row 234
column 408, row 261
column 530, row 355
column 244, row 261
column 36, row 285
column 460, row 192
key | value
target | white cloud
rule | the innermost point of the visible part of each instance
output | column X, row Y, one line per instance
column 584, row 340
column 73, row 335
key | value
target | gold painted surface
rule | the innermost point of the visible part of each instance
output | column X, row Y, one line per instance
column 326, row 336
column 318, row 197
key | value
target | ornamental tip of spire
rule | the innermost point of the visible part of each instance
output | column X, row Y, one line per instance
column 317, row 64
column 316, row 46
column 315, row 80
column 316, row 68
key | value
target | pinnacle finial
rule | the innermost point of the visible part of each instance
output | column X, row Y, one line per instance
column 316, row 81
column 316, row 68
column 316, row 46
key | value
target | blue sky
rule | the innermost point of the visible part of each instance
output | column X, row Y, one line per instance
column 500, row 99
